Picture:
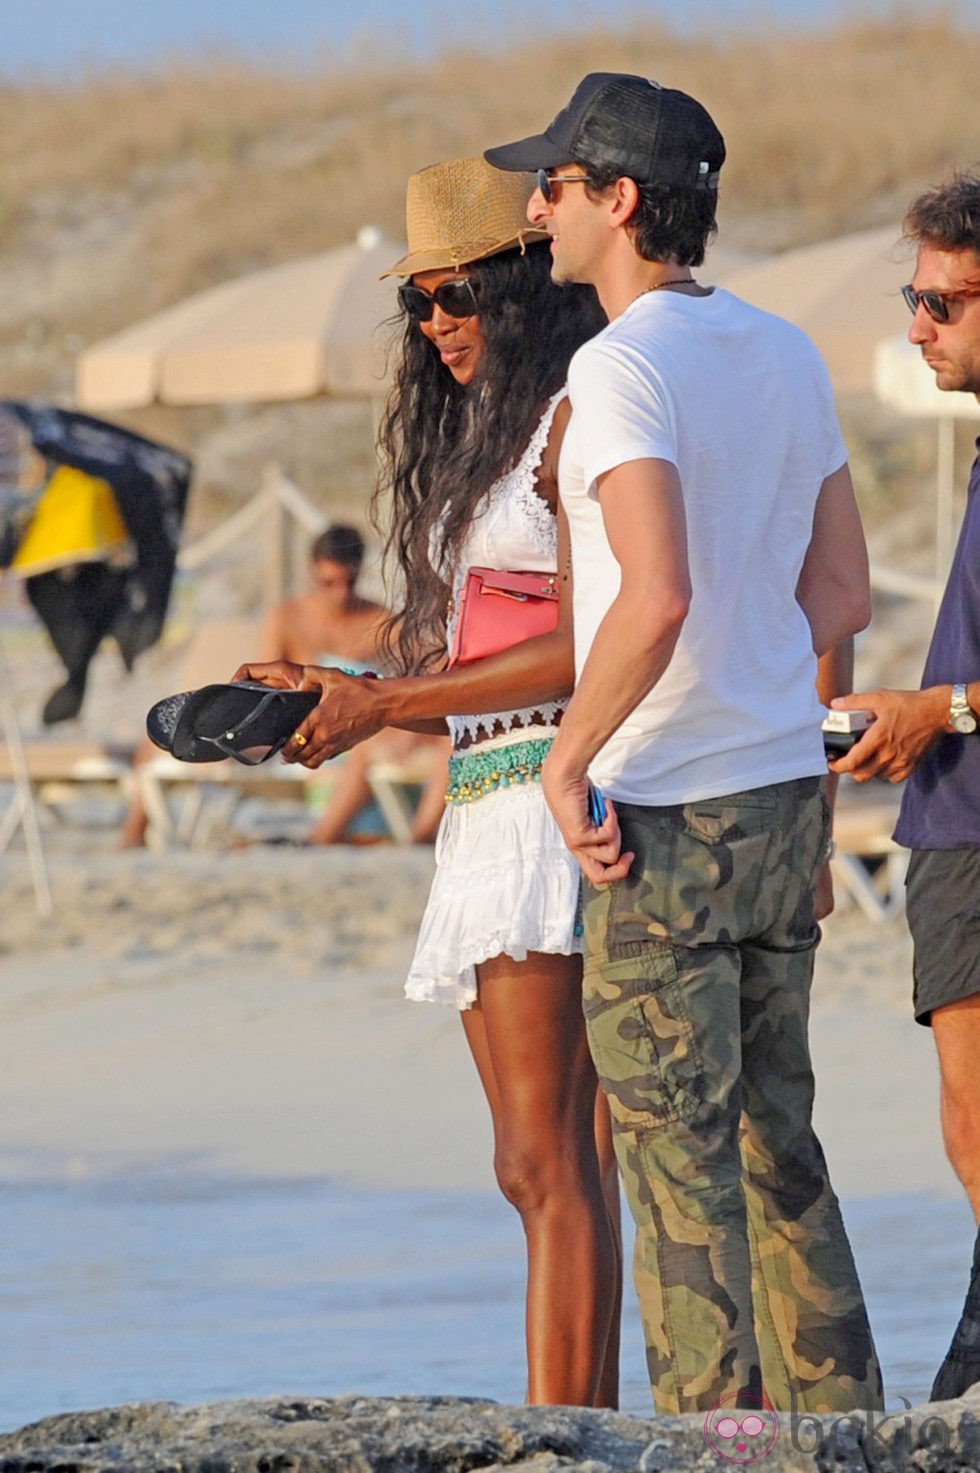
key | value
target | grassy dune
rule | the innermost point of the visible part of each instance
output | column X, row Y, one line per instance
column 125, row 192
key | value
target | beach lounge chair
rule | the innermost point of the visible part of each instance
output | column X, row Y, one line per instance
column 58, row 772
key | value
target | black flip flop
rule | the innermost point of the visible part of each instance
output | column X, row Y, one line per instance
column 246, row 721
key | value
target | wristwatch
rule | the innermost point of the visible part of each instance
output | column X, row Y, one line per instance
column 962, row 717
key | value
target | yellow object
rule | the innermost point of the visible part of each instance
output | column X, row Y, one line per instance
column 77, row 521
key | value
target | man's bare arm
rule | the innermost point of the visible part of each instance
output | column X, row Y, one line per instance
column 643, row 515
column 835, row 675
column 834, row 587
column 272, row 644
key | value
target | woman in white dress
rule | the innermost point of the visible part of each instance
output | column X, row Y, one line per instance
column 470, row 442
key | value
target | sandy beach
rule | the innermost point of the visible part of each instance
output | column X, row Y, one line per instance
column 221, row 1126
column 241, row 1011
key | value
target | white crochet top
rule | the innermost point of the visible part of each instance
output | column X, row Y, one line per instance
column 513, row 528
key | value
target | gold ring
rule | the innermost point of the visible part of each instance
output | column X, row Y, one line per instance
column 300, row 739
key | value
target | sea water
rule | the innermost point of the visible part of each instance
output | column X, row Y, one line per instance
column 189, row 1289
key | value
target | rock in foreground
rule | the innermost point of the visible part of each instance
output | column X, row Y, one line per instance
column 428, row 1435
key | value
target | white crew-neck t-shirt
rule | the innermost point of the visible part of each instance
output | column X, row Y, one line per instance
column 740, row 402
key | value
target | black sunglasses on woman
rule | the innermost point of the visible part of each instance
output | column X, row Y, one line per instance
column 455, row 298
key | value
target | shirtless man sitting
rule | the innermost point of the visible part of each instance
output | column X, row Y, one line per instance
column 333, row 624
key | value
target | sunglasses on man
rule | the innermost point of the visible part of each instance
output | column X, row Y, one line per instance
column 546, row 179
column 455, row 298
column 935, row 303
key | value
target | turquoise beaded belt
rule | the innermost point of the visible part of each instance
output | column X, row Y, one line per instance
column 474, row 774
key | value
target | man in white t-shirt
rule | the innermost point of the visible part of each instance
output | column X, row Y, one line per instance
column 716, row 552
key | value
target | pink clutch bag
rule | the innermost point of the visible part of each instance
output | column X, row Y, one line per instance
column 498, row 609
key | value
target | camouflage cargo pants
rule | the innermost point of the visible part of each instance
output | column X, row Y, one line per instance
column 697, row 981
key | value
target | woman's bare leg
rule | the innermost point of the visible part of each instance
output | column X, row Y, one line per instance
column 527, row 1037
column 609, row 1175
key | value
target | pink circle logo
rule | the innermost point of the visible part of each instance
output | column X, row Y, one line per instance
column 739, row 1435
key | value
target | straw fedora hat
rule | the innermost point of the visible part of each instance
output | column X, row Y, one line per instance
column 463, row 211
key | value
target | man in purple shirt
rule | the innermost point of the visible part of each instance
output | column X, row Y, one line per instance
column 931, row 737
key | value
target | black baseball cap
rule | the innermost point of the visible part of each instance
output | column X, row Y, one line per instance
column 653, row 134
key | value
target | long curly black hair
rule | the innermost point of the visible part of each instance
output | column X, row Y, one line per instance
column 443, row 445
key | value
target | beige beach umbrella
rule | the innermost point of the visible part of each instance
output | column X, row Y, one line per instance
column 315, row 326
column 845, row 293
column 306, row 327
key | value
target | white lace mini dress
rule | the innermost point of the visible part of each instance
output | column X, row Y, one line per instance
column 505, row 884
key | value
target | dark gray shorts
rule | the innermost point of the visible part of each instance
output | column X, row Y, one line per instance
column 942, row 903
